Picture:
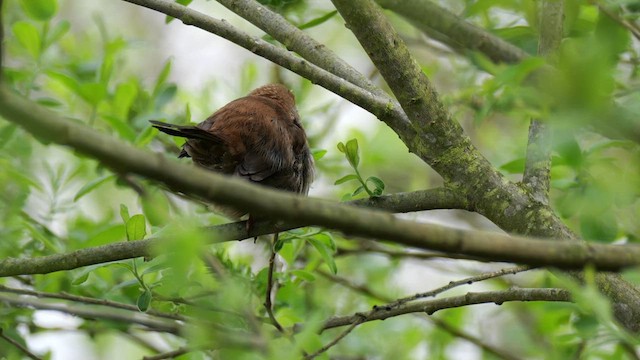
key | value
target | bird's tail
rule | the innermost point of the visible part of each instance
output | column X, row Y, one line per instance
column 185, row 131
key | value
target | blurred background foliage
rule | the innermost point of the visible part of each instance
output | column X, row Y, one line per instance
column 105, row 64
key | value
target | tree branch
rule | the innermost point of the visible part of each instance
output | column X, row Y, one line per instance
column 453, row 30
column 453, row 284
column 225, row 190
column 439, row 323
column 127, row 317
column 463, row 36
column 537, row 170
column 14, row 343
column 471, row 298
column 382, row 107
column 439, row 198
column 297, row 40
column 88, row 300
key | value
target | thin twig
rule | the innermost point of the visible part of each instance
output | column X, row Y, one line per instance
column 624, row 23
column 16, row 344
column 453, row 284
column 88, row 300
column 168, row 355
column 127, row 317
column 470, row 298
column 267, row 303
column 334, row 341
column 458, row 333
column 439, row 323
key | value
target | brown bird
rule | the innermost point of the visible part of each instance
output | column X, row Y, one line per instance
column 258, row 137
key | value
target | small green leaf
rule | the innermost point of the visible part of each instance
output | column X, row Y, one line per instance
column 136, row 227
column 342, row 148
column 357, row 191
column 318, row 154
column 514, row 166
column 28, row 37
column 92, row 92
column 352, row 153
column 325, row 253
column 57, row 32
column 346, row 178
column 124, row 213
column 601, row 228
column 319, row 20
column 378, row 183
column 144, row 300
column 122, row 128
column 303, row 274
column 162, row 77
column 42, row 10
column 167, row 93
column 145, row 136
column 80, row 279
column 90, row 186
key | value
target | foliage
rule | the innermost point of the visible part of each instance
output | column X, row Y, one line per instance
column 55, row 201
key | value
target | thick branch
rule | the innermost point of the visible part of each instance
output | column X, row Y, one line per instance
column 402, row 202
column 124, row 158
column 452, row 154
column 431, row 306
column 537, row 170
column 463, row 36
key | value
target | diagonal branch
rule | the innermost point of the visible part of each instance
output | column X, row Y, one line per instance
column 471, row 298
column 299, row 41
column 537, row 170
column 457, row 33
column 381, row 106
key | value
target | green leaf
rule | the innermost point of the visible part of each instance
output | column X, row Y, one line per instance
column 359, row 190
column 57, row 32
column 145, row 137
column 124, row 213
column 318, row 154
column 136, row 227
column 124, row 97
column 42, row 10
column 156, row 207
column 123, row 129
column 325, row 253
column 352, row 153
column 601, row 228
column 165, row 95
column 514, row 166
column 346, row 178
column 28, row 37
column 319, row 20
column 144, row 300
column 80, row 279
column 92, row 185
column 92, row 92
column 378, row 183
column 162, row 77
column 303, row 274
